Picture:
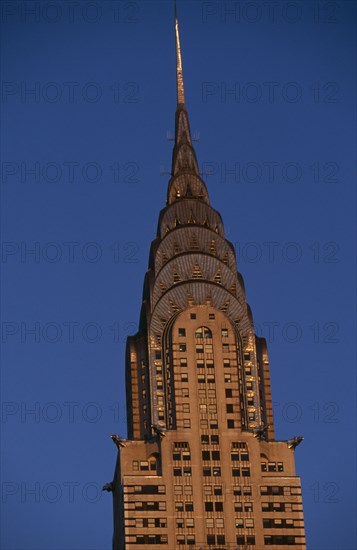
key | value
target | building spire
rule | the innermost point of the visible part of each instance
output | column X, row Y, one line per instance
column 179, row 77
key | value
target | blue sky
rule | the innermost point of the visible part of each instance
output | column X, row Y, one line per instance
column 87, row 99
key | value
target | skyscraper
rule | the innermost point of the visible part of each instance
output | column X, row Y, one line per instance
column 200, row 468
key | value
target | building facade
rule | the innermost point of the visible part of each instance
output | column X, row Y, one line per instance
column 200, row 467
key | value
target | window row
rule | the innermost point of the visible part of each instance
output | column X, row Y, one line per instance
column 147, row 505
column 205, row 439
column 281, row 507
column 280, row 523
column 188, row 522
column 208, row 455
column 146, row 522
column 246, row 507
column 184, row 506
column 280, row 540
column 272, row 467
column 248, row 523
column 244, row 471
column 216, row 539
column 145, row 489
column 250, row 539
column 214, row 506
column 186, row 471
column 279, row 490
column 146, row 539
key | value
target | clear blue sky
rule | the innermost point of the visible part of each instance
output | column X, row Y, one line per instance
column 281, row 154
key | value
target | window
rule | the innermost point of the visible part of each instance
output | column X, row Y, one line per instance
column 201, row 378
column 216, row 455
column 225, row 348
column 238, row 507
column 183, row 362
column 235, row 472
column 227, row 378
column 249, row 523
column 211, row 539
column 177, row 472
column 189, row 506
column 245, row 472
column 239, row 522
column 210, row 378
column 218, row 506
column 209, row 363
column 216, row 471
column 187, row 471
column 206, row 472
column 211, row 316
column 186, row 423
column 193, row 315
column 221, row 539
column 229, row 392
column 215, row 439
column 184, row 377
column 229, row 408
column 226, row 363
column 179, row 506
column 182, row 332
column 209, row 506
column 218, row 490
column 230, row 423
column 200, row 364
column 209, row 523
column 199, row 348
column 182, row 347
column 186, row 407
column 205, row 455
column 204, row 439
column 203, row 332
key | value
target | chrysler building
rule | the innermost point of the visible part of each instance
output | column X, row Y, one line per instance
column 200, row 467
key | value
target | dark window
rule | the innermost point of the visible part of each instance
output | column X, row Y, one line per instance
column 211, row 316
column 189, row 506
column 216, row 455
column 230, row 423
column 245, row 472
column 205, row 455
column 205, row 439
column 229, row 393
column 221, row 539
column 209, row 506
column 182, row 332
column 211, row 539
column 177, row 472
column 176, row 456
column 251, row 539
column 219, row 506
column 216, row 471
column 217, row 490
column 240, row 539
column 214, row 439
column 193, row 315
column 182, row 347
column 244, row 456
column 206, row 471
column 235, row 472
